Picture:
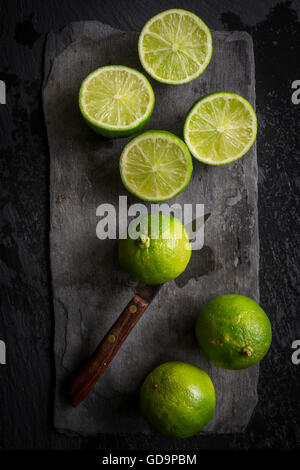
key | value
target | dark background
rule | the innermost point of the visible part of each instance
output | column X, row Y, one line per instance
column 26, row 324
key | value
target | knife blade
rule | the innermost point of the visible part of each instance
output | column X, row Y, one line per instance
column 87, row 376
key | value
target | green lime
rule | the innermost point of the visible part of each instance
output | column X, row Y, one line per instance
column 220, row 128
column 156, row 166
column 175, row 46
column 116, row 101
column 159, row 253
column 233, row 331
column 177, row 399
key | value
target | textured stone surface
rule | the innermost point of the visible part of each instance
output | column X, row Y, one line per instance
column 88, row 287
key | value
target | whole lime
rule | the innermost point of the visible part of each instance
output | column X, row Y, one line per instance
column 160, row 253
column 233, row 331
column 177, row 399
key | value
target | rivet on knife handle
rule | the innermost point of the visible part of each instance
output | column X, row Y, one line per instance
column 90, row 372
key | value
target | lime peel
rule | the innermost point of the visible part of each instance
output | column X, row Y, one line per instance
column 177, row 399
column 115, row 100
column 248, row 339
column 163, row 256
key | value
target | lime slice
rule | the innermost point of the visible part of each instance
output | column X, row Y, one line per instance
column 155, row 166
column 220, row 128
column 175, row 46
column 116, row 101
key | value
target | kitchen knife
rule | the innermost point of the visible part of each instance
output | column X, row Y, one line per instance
column 87, row 376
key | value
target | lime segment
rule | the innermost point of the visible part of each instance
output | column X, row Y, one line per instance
column 220, row 128
column 160, row 253
column 233, row 331
column 175, row 46
column 155, row 166
column 116, row 100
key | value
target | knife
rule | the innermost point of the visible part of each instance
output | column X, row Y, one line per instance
column 87, row 376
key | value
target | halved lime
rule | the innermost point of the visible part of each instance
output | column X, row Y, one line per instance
column 175, row 46
column 115, row 100
column 155, row 166
column 220, row 128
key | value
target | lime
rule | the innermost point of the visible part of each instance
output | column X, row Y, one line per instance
column 233, row 331
column 116, row 101
column 220, row 128
column 155, row 166
column 175, row 46
column 159, row 253
column 177, row 399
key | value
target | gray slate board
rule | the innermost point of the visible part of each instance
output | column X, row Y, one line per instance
column 89, row 289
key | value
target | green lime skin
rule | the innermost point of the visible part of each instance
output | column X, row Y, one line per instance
column 177, row 399
column 106, row 131
column 159, row 255
column 115, row 134
column 233, row 331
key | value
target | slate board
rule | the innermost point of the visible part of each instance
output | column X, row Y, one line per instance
column 89, row 289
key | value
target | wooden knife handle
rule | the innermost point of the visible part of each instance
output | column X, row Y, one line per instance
column 90, row 372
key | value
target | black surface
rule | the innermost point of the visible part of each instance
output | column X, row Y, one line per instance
column 26, row 324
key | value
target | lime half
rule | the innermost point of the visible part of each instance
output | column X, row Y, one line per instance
column 175, row 46
column 220, row 128
column 116, row 101
column 155, row 166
